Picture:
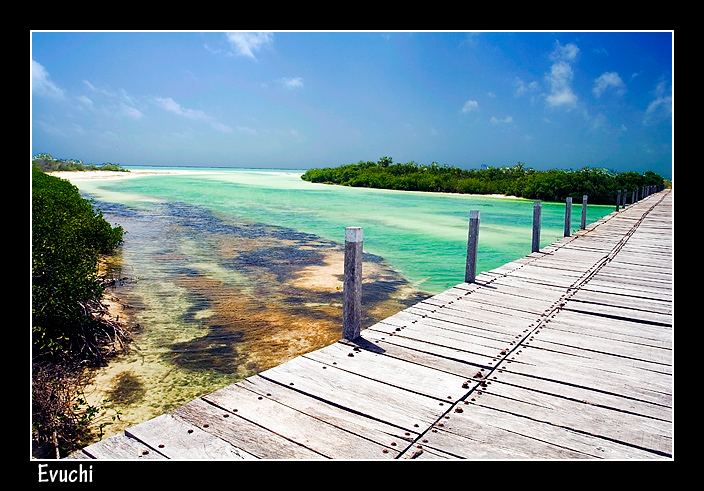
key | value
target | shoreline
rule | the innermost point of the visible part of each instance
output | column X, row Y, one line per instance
column 76, row 176
column 105, row 174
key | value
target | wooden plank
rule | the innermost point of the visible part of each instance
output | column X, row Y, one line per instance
column 243, row 436
column 176, row 439
column 288, row 422
column 477, row 440
column 619, row 312
column 540, row 342
column 629, row 429
column 520, row 436
column 643, row 289
column 446, row 358
column 371, row 429
column 589, row 392
column 483, row 319
column 122, row 447
column 623, row 300
column 368, row 397
column 511, row 286
column 489, row 329
column 508, row 284
column 483, row 341
column 477, row 306
column 393, row 371
column 637, row 380
column 537, row 274
column 613, row 347
column 617, row 329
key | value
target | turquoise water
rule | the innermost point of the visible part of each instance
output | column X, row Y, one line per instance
column 226, row 273
column 422, row 235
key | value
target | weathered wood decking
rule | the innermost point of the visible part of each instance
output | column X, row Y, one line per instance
column 563, row 354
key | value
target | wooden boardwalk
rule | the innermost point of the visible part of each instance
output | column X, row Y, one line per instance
column 563, row 354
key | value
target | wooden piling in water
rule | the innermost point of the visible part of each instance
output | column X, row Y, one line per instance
column 568, row 215
column 537, row 209
column 470, row 272
column 583, row 223
column 352, row 286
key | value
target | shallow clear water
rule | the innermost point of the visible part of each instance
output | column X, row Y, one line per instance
column 422, row 235
column 230, row 272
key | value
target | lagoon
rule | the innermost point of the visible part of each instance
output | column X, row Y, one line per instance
column 422, row 235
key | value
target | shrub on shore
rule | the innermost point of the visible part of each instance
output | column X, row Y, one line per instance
column 47, row 163
column 69, row 326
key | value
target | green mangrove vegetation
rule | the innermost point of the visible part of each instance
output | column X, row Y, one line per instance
column 70, row 329
column 47, row 163
column 601, row 185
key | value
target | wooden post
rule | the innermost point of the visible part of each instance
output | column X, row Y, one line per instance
column 537, row 208
column 618, row 199
column 568, row 216
column 352, row 286
column 470, row 272
column 633, row 196
column 624, row 197
column 583, row 224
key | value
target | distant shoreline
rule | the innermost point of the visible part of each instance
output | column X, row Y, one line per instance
column 76, row 176
column 71, row 175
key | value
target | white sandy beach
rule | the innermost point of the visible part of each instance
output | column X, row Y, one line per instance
column 106, row 174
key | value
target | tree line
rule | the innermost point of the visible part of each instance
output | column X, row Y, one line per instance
column 47, row 163
column 600, row 185
column 69, row 327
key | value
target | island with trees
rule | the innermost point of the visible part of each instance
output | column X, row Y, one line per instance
column 600, row 185
column 47, row 163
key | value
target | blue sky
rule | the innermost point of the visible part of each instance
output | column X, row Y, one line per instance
column 318, row 99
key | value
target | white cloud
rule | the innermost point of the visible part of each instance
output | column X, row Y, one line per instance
column 171, row 105
column 660, row 107
column 568, row 53
column 42, row 85
column 470, row 106
column 245, row 129
column 130, row 111
column 85, row 101
column 560, row 79
column 99, row 91
column 292, row 83
column 606, row 80
column 507, row 119
column 121, row 100
column 246, row 43
column 561, row 75
column 522, row 87
column 212, row 50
